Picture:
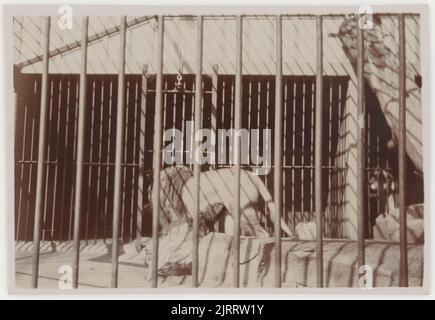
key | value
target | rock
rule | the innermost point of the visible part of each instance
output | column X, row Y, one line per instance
column 306, row 231
column 416, row 210
column 388, row 227
column 175, row 251
column 298, row 263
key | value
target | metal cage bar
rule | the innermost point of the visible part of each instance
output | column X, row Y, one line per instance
column 197, row 163
column 278, row 165
column 119, row 154
column 41, row 153
column 277, row 186
column 157, row 156
column 142, row 151
column 360, row 145
column 80, row 150
column 237, row 149
column 319, row 151
column 402, row 154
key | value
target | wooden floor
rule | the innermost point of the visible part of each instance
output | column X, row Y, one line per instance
column 95, row 271
column 256, row 270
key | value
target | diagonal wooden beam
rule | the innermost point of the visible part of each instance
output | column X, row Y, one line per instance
column 77, row 44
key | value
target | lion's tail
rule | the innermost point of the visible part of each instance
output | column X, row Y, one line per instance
column 267, row 197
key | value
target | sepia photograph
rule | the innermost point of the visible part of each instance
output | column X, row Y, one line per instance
column 219, row 148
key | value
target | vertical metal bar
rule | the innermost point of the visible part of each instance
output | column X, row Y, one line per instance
column 108, row 168
column 64, row 160
column 318, row 152
column 73, row 156
column 80, row 150
column 277, row 170
column 293, row 147
column 19, row 186
column 41, row 151
column 124, row 157
column 32, row 156
column 312, row 148
column 142, row 124
column 90, row 167
column 56, row 166
column 360, row 147
column 267, row 143
column 183, row 122
column 157, row 156
column 284, row 147
column 402, row 154
column 166, row 102
column 48, row 153
column 136, row 155
column 222, row 119
column 197, row 165
column 237, row 150
column 214, row 104
column 99, row 167
column 119, row 154
column 330, row 153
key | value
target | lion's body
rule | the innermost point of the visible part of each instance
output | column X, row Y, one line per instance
column 217, row 187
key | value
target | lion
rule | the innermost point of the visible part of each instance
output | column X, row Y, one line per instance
column 217, row 199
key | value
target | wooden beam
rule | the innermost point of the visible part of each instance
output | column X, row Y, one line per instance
column 77, row 44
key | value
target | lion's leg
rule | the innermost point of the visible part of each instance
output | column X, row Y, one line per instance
column 250, row 224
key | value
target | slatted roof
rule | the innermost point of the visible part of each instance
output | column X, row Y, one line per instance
column 299, row 44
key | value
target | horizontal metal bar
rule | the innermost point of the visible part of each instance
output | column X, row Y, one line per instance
column 179, row 91
column 288, row 15
column 23, row 162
